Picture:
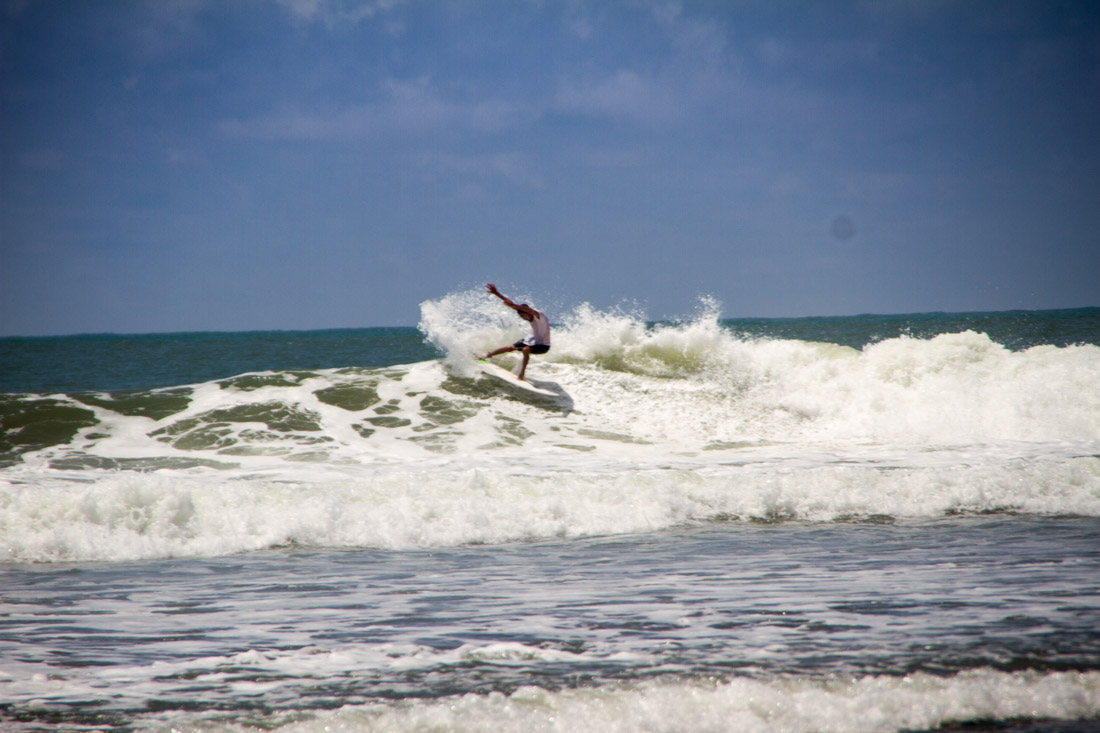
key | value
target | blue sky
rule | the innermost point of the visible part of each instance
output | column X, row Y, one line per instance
column 179, row 165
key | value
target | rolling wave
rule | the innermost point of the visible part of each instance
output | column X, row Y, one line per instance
column 662, row 425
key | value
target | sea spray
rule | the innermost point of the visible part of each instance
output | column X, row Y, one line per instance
column 469, row 322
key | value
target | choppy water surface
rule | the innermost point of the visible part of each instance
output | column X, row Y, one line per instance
column 710, row 528
column 848, row 612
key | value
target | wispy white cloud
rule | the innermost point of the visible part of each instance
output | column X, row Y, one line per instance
column 158, row 30
column 623, row 94
column 510, row 167
column 694, row 40
column 337, row 12
column 653, row 91
column 404, row 108
column 670, row 87
column 419, row 106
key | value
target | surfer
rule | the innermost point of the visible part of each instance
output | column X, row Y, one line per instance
column 539, row 340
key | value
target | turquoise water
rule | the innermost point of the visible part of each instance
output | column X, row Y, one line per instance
column 122, row 362
column 1013, row 329
column 870, row 523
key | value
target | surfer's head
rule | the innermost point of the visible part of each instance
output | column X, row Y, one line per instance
column 525, row 313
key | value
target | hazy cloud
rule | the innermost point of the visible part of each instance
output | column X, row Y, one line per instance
column 337, row 12
column 623, row 94
column 404, row 108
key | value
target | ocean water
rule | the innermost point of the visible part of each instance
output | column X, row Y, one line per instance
column 869, row 523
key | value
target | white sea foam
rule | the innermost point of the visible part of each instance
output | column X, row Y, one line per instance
column 129, row 516
column 861, row 705
column 276, row 673
column 791, row 704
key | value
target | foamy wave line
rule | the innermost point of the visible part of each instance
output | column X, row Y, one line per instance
column 789, row 705
column 37, row 684
column 131, row 516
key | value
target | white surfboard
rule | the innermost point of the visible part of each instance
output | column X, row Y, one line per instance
column 492, row 370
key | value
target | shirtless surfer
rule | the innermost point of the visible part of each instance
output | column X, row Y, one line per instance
column 539, row 340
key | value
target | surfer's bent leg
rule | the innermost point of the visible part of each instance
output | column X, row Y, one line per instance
column 526, row 357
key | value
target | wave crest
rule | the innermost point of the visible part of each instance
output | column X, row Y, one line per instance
column 139, row 516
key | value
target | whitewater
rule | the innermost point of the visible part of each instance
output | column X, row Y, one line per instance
column 713, row 525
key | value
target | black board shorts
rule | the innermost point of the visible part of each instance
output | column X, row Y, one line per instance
column 535, row 348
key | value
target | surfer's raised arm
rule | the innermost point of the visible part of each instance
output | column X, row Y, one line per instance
column 518, row 307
